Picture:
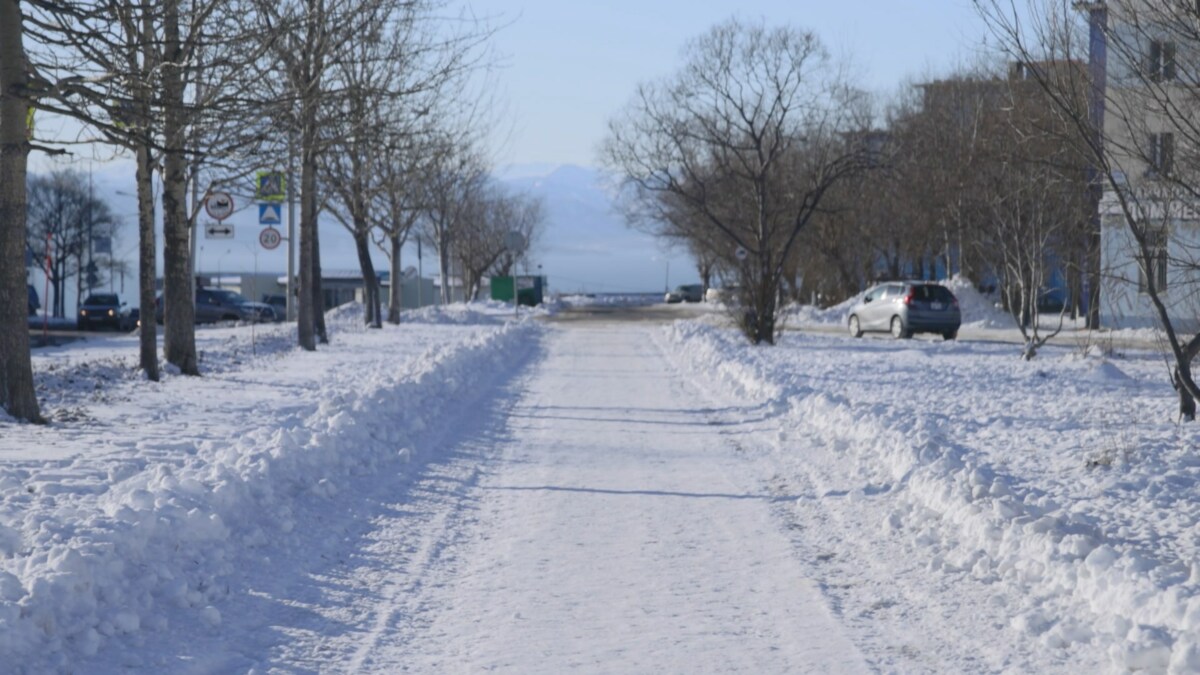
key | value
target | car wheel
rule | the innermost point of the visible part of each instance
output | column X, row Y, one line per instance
column 950, row 335
column 855, row 328
column 898, row 330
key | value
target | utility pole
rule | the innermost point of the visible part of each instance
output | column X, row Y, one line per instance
column 291, row 237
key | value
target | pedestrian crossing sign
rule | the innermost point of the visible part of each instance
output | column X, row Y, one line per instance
column 270, row 213
column 271, row 186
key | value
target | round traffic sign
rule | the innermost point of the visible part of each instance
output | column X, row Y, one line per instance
column 741, row 253
column 269, row 238
column 514, row 241
column 219, row 205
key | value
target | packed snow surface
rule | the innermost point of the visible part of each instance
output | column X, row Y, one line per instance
column 470, row 491
column 1056, row 497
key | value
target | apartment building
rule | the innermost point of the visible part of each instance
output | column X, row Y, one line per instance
column 1143, row 63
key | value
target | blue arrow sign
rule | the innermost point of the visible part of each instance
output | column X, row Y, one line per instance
column 270, row 214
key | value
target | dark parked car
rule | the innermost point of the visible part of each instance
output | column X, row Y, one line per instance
column 105, row 310
column 688, row 293
column 218, row 304
column 278, row 303
column 906, row 307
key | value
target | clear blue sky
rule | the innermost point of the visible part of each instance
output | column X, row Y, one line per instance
column 570, row 65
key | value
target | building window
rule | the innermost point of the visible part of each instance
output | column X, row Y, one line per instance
column 1154, row 269
column 1161, row 157
column 1161, row 64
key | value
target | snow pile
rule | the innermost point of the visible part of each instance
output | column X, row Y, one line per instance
column 117, row 547
column 471, row 313
column 1010, row 473
column 611, row 300
column 978, row 309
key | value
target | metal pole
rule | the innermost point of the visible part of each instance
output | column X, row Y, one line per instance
column 193, row 229
column 291, row 247
column 46, row 298
column 420, row 275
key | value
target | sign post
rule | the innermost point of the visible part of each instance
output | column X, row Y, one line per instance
column 515, row 241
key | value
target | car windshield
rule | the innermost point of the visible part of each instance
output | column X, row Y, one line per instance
column 104, row 299
column 932, row 293
column 229, row 297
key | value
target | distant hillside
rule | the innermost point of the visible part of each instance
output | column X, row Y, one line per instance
column 586, row 245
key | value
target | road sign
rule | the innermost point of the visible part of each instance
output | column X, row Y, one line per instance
column 218, row 205
column 514, row 241
column 272, row 186
column 741, row 253
column 218, row 231
column 269, row 238
column 270, row 214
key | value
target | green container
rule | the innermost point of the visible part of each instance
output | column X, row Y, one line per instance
column 530, row 291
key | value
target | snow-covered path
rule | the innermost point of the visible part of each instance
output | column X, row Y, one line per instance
column 615, row 528
column 462, row 493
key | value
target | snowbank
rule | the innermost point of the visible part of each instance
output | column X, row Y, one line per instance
column 120, row 544
column 1061, row 481
column 978, row 310
column 611, row 300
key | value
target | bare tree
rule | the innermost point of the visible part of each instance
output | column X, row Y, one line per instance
column 306, row 39
column 17, row 396
column 480, row 246
column 1029, row 216
column 64, row 219
column 399, row 203
column 131, row 71
column 98, row 63
column 389, row 80
column 452, row 181
column 1138, row 94
column 746, row 136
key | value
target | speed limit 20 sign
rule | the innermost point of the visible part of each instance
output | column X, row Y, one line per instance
column 270, row 238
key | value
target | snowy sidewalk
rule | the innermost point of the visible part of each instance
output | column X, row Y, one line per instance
column 618, row 530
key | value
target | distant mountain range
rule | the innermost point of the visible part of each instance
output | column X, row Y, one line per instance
column 586, row 245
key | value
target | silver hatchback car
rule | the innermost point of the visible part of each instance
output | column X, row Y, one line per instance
column 906, row 307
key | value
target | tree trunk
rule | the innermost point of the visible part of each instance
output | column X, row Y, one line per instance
column 396, row 299
column 179, row 332
column 1093, row 278
column 148, row 332
column 371, row 298
column 147, row 261
column 444, row 264
column 318, row 288
column 306, row 322
column 17, row 395
column 1187, row 403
